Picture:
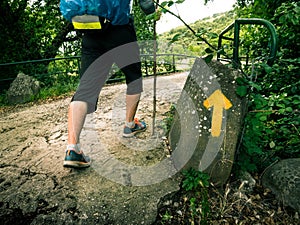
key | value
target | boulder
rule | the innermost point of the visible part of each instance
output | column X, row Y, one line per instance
column 208, row 121
column 283, row 179
column 22, row 89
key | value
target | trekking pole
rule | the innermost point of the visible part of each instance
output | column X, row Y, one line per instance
column 154, row 75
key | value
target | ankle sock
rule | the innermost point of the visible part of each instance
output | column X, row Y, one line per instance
column 75, row 147
column 129, row 124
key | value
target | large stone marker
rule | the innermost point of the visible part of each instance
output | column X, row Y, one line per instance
column 22, row 89
column 207, row 123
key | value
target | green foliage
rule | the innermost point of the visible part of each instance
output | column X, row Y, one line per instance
column 59, row 80
column 3, row 99
column 55, row 91
column 242, row 88
column 194, row 179
column 168, row 119
column 30, row 30
column 197, row 183
column 271, row 130
column 273, row 121
column 144, row 25
column 167, row 217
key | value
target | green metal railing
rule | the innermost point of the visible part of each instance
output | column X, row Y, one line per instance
column 70, row 66
column 39, row 68
column 236, row 39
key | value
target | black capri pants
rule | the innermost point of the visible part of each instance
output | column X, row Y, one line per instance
column 100, row 49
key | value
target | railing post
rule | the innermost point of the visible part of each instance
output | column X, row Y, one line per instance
column 174, row 67
column 236, row 40
column 221, row 37
column 78, row 63
column 146, row 65
column 236, row 26
column 272, row 30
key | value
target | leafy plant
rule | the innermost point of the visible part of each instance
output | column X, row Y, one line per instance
column 272, row 124
column 197, row 183
column 167, row 217
column 168, row 119
column 194, row 179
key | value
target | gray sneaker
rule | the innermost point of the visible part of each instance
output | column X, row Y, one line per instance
column 76, row 160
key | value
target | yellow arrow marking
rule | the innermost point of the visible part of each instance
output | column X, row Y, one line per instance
column 219, row 101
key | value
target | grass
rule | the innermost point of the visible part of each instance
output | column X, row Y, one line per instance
column 57, row 90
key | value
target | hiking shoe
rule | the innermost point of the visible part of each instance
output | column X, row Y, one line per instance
column 139, row 126
column 76, row 160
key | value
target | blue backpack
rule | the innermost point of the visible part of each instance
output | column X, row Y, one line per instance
column 116, row 11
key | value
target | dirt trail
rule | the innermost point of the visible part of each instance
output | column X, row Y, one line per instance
column 123, row 185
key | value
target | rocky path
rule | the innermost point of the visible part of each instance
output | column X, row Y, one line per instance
column 124, row 183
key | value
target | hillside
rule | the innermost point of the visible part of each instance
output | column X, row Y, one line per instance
column 181, row 39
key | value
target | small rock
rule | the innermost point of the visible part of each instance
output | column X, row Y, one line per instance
column 179, row 212
column 55, row 135
column 168, row 202
column 248, row 182
column 22, row 89
column 283, row 179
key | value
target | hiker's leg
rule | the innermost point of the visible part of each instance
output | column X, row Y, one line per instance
column 95, row 66
column 132, row 102
column 133, row 94
column 74, row 156
column 76, row 117
column 128, row 60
